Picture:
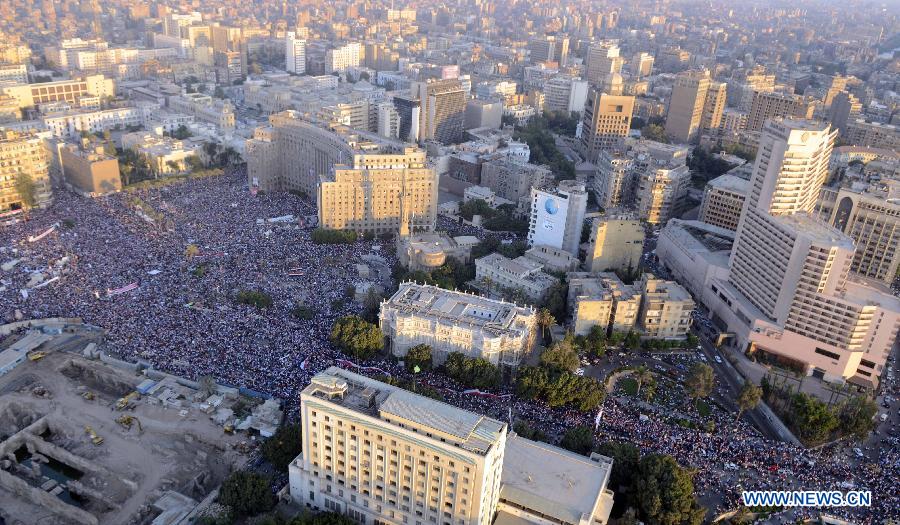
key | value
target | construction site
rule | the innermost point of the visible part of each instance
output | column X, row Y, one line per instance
column 89, row 442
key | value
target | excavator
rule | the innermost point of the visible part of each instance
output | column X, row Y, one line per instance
column 36, row 356
column 95, row 439
column 126, row 421
column 124, row 402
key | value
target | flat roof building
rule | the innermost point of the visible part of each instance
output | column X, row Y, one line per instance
column 451, row 321
column 383, row 455
column 602, row 299
column 723, row 200
column 521, row 274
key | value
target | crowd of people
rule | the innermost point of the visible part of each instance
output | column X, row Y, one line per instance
column 124, row 263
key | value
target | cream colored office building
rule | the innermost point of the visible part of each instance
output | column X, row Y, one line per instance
column 872, row 220
column 696, row 104
column 451, row 321
column 616, row 243
column 380, row 192
column 382, row 455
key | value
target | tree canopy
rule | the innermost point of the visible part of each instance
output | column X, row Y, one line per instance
column 472, row 372
column 418, row 356
column 664, row 492
column 561, row 356
column 558, row 388
column 283, row 447
column 357, row 337
column 246, row 493
column 579, row 440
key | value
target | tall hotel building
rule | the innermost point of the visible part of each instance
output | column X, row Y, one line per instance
column 790, row 292
column 382, row 455
column 696, row 104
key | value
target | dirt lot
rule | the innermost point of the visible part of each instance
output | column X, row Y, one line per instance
column 187, row 454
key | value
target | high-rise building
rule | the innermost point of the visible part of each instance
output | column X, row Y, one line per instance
column 791, row 272
column 696, row 105
column 767, row 106
column 23, row 156
column 872, row 220
column 549, row 48
column 339, row 58
column 603, row 59
column 606, row 121
column 845, row 107
column 380, row 454
column 723, row 201
column 409, row 110
column 557, row 216
column 565, row 93
column 860, row 132
column 614, row 181
column 616, row 244
column 484, row 114
column 662, row 188
column 442, row 110
column 641, row 65
column 602, row 299
column 385, row 190
column 295, row 53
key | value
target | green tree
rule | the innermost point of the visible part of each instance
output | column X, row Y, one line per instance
column 812, row 419
column 555, row 300
column 357, row 337
column 578, row 439
column 748, row 398
column 654, row 132
column 27, row 190
column 418, row 356
column 283, row 447
column 700, row 381
column 545, row 320
column 246, row 493
column 527, row 431
column 560, row 356
column 625, row 457
column 857, row 417
column 664, row 492
column 472, row 372
column 642, row 375
column 254, row 298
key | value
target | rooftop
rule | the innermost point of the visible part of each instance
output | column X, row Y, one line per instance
column 459, row 308
column 730, row 183
column 467, row 430
column 551, row 480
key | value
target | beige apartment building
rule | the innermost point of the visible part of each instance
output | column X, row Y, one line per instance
column 602, row 299
column 382, row 455
column 661, row 191
column 769, row 105
column 723, row 200
column 606, row 121
column 614, row 180
column 872, row 135
column 378, row 192
column 696, row 104
column 89, row 170
column 451, row 321
column 665, row 308
column 616, row 243
column 205, row 108
column 511, row 180
column 23, row 154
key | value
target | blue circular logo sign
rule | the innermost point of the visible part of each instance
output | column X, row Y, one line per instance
column 551, row 206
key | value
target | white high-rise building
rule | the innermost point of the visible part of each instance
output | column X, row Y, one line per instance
column 557, row 216
column 343, row 57
column 295, row 53
column 790, row 292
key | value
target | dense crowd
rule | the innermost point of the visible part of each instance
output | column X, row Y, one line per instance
column 182, row 318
